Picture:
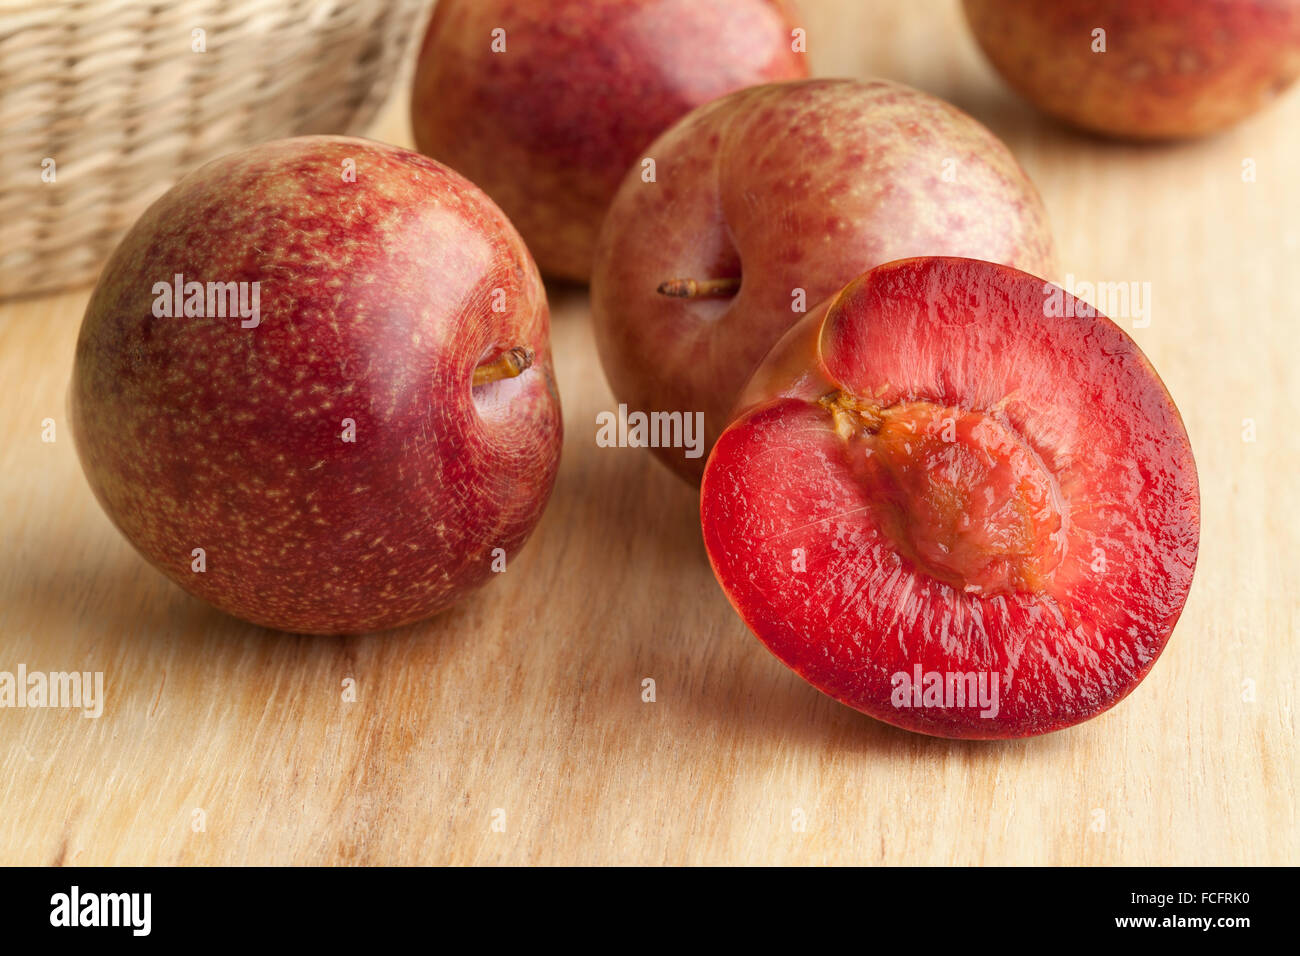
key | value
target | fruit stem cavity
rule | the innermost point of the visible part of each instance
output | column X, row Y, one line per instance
column 508, row 364
column 700, row 288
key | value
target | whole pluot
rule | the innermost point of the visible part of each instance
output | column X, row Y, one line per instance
column 313, row 386
column 767, row 201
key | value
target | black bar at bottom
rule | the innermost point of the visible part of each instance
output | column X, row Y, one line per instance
column 659, row 907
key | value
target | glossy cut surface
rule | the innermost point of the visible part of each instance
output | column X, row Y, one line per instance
column 379, row 296
column 1058, row 443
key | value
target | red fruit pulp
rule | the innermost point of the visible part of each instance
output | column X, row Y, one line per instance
column 934, row 476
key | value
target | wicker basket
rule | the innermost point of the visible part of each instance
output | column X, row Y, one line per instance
column 114, row 93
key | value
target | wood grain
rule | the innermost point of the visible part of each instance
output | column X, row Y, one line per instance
column 527, row 698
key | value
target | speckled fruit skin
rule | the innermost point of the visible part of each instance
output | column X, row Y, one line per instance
column 821, row 562
column 549, row 127
column 790, row 186
column 376, row 306
column 1172, row 68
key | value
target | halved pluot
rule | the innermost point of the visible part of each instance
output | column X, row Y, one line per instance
column 958, row 500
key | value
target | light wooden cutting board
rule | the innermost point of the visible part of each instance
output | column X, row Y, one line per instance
column 512, row 729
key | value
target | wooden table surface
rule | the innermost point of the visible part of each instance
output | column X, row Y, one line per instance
column 512, row 729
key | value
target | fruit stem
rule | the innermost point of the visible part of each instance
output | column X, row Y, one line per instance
column 508, row 364
column 699, row 288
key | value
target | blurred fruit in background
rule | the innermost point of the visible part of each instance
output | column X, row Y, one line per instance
column 546, row 105
column 1143, row 69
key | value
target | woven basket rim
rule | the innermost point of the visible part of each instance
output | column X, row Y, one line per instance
column 51, row 6
column 142, row 113
column 44, row 9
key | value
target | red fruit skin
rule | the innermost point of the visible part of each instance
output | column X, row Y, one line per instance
column 791, row 186
column 549, row 127
column 1172, row 68
column 376, row 305
column 1078, row 394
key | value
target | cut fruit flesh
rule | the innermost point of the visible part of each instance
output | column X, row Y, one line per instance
column 933, row 473
column 955, row 491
